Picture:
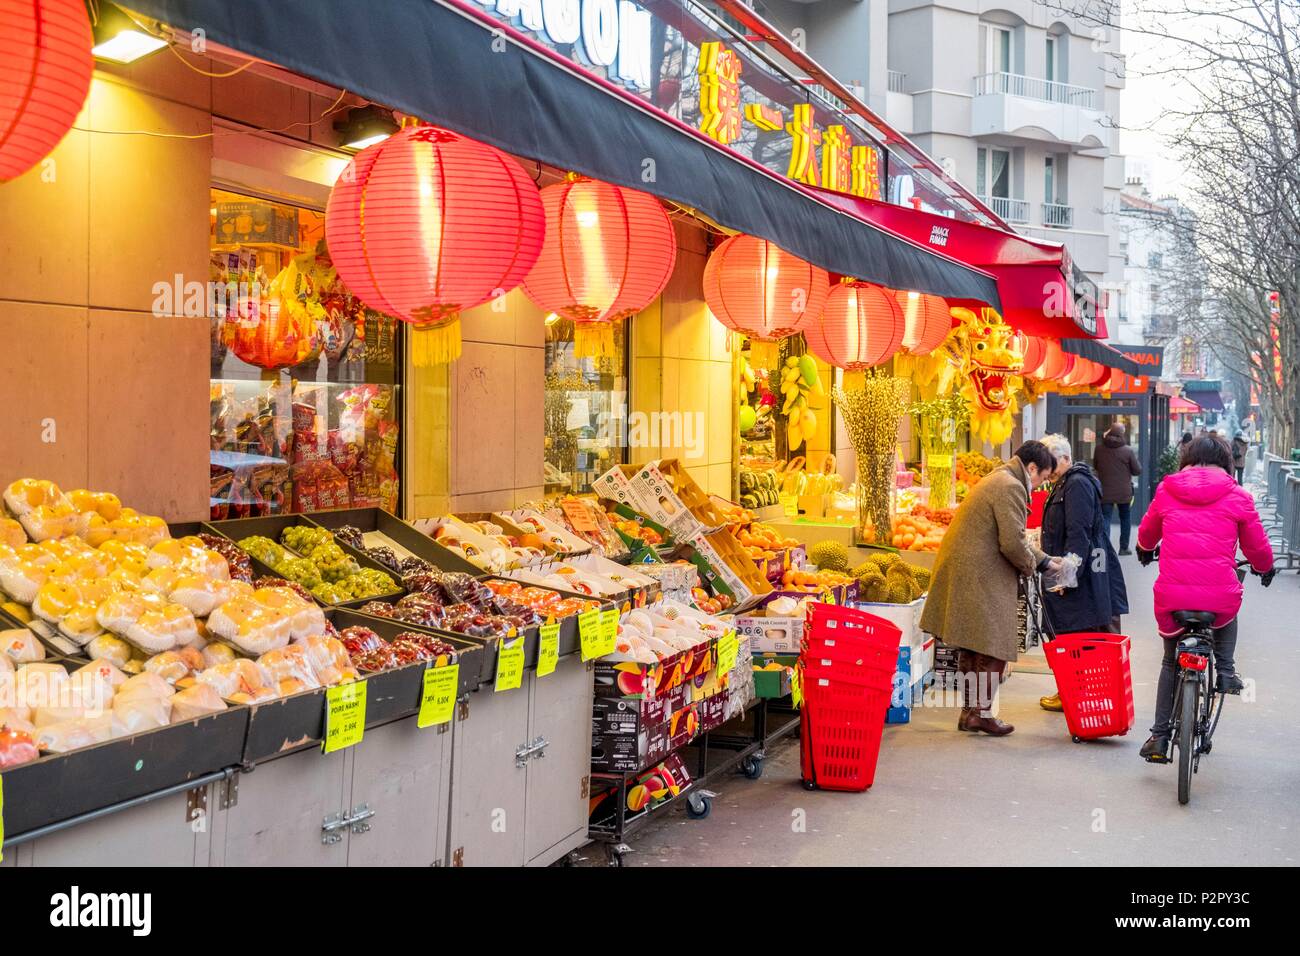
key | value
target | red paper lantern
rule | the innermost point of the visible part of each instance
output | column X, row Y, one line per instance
column 861, row 325
column 1080, row 372
column 1034, row 350
column 428, row 223
column 1057, row 362
column 1118, row 381
column 608, row 253
column 926, row 322
column 756, row 288
column 1102, row 376
column 45, row 69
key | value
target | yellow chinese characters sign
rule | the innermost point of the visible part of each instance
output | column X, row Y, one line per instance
column 841, row 166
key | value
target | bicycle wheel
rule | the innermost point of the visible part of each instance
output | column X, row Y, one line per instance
column 1187, row 717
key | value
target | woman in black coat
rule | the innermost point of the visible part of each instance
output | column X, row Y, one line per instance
column 1073, row 523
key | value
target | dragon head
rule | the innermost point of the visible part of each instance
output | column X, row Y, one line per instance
column 991, row 368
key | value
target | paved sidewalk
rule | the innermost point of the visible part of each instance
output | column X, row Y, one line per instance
column 947, row 798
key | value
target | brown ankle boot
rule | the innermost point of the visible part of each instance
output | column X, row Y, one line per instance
column 967, row 715
column 989, row 725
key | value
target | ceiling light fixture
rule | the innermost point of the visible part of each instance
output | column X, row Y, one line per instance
column 364, row 126
column 119, row 38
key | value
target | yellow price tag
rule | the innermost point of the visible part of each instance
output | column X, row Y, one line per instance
column 549, row 653
column 796, row 687
column 590, row 632
column 345, row 716
column 608, row 631
column 790, row 505
column 438, row 701
column 830, row 597
column 510, row 664
column 728, row 646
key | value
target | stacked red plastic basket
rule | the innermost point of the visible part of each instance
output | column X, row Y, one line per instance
column 848, row 660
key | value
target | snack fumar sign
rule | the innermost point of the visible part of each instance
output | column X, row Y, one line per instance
column 617, row 39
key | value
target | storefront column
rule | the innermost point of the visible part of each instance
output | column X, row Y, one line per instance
column 105, row 365
column 682, row 389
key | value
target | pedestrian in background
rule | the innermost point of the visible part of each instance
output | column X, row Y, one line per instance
column 1239, row 448
column 975, row 586
column 1117, row 465
column 1073, row 523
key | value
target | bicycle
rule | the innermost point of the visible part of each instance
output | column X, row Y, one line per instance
column 1198, row 702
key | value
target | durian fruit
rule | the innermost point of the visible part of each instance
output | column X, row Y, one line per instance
column 900, row 585
column 884, row 560
column 922, row 577
column 830, row 556
column 873, row 590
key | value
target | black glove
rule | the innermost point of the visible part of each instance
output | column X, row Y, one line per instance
column 1267, row 577
column 1145, row 557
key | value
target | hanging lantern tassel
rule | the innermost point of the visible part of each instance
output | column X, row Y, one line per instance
column 436, row 342
column 764, row 353
column 593, row 340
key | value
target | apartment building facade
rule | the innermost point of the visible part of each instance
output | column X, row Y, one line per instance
column 1018, row 100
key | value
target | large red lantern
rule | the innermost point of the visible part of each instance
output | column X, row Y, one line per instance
column 1034, row 350
column 608, row 253
column 861, row 325
column 926, row 322
column 45, row 69
column 756, row 288
column 1101, row 375
column 428, row 223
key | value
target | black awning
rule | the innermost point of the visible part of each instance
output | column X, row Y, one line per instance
column 1099, row 351
column 437, row 62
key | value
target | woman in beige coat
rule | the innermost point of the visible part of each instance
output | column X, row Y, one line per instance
column 974, row 590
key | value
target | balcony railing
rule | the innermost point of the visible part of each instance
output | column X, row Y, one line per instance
column 897, row 82
column 1031, row 87
column 1058, row 216
column 1011, row 210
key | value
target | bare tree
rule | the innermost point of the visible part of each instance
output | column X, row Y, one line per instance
column 1237, row 62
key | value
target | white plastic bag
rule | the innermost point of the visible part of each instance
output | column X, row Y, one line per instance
column 1066, row 577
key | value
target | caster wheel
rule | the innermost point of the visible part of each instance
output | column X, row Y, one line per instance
column 808, row 784
column 613, row 858
column 752, row 767
column 1076, row 739
column 697, row 808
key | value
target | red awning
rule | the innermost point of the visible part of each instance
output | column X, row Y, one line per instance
column 1181, row 406
column 1036, row 279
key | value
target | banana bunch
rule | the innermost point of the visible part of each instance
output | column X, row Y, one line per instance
column 799, row 381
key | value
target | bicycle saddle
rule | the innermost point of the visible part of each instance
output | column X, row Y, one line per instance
column 1189, row 618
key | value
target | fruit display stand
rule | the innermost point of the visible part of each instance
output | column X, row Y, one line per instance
column 250, row 785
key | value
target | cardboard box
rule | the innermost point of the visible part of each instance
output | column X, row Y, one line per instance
column 658, row 501
column 640, row 794
column 769, row 633
column 624, row 715
column 713, row 712
column 769, row 684
column 632, row 746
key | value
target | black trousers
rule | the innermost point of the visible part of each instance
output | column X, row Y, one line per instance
column 1225, row 648
column 1241, row 471
column 1125, row 520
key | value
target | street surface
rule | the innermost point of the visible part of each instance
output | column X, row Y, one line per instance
column 1035, row 798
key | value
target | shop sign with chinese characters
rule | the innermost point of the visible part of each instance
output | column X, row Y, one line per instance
column 662, row 52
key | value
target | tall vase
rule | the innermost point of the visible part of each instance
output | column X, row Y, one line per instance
column 877, row 486
column 941, row 473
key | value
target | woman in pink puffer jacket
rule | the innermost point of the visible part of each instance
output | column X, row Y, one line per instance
column 1197, row 519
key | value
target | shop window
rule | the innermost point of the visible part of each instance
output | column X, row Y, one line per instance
column 585, row 409
column 304, row 390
